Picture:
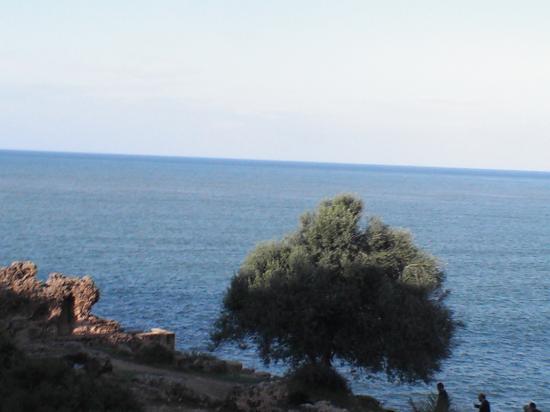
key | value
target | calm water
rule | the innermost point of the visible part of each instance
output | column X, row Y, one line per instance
column 163, row 236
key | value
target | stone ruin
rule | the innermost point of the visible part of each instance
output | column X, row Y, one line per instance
column 158, row 336
column 60, row 308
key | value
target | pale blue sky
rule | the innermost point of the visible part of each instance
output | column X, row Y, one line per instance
column 439, row 83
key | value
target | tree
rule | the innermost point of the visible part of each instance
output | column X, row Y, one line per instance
column 335, row 289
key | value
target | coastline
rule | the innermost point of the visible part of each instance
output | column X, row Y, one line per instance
column 53, row 320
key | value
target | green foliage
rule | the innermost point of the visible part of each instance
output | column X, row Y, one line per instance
column 52, row 385
column 366, row 295
column 155, row 354
column 309, row 380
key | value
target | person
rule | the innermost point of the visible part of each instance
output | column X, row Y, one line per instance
column 442, row 404
column 483, row 405
column 533, row 407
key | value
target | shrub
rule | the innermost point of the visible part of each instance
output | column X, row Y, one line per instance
column 155, row 354
column 310, row 379
column 53, row 385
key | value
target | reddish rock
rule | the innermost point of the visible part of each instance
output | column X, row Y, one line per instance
column 59, row 307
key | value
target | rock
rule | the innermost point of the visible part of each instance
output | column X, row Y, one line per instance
column 59, row 307
column 20, row 277
column 75, row 296
column 61, row 301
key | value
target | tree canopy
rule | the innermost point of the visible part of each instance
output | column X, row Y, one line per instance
column 339, row 289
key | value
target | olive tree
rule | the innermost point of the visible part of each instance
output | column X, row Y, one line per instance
column 339, row 289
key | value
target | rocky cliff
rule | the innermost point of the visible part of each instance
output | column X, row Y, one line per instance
column 61, row 306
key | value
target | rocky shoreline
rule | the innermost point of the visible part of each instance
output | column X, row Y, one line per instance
column 53, row 319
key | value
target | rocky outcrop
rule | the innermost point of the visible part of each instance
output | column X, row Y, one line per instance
column 59, row 307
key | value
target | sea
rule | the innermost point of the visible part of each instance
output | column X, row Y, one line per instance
column 162, row 237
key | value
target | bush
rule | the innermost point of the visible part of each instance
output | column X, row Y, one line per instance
column 311, row 379
column 53, row 385
column 155, row 354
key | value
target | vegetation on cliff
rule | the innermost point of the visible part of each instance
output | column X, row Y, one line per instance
column 53, row 384
column 335, row 289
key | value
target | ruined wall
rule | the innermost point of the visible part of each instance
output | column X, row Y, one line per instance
column 61, row 306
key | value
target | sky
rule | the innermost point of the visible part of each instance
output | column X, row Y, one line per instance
column 425, row 83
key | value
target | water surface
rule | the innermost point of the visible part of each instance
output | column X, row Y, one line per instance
column 163, row 236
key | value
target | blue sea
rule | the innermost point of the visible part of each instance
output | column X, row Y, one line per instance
column 163, row 236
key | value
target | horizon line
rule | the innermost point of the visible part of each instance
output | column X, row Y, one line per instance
column 312, row 162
